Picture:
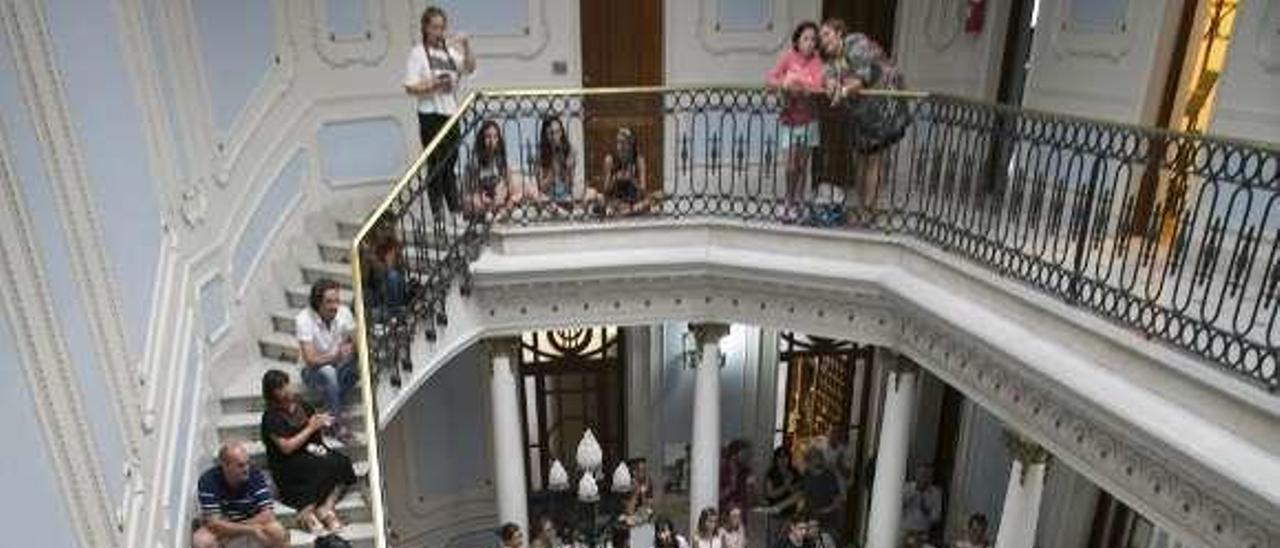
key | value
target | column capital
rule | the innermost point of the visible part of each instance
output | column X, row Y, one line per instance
column 1025, row 450
column 502, row 346
column 708, row 332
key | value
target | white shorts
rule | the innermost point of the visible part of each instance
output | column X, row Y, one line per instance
column 804, row 135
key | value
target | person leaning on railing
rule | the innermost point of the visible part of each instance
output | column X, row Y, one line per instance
column 855, row 62
column 434, row 74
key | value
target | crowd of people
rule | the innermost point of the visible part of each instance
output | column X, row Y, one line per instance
column 307, row 469
column 825, row 64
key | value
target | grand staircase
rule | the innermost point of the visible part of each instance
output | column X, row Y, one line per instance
column 241, row 401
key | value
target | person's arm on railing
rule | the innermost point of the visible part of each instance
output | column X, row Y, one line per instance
column 774, row 78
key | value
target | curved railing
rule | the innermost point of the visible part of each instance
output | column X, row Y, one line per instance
column 1172, row 235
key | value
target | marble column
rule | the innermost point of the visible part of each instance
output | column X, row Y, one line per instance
column 704, row 469
column 1021, row 510
column 508, row 445
column 891, row 458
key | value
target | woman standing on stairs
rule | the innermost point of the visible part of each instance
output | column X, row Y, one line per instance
column 309, row 476
column 434, row 75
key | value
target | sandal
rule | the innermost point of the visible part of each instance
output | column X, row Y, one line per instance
column 310, row 523
column 331, row 521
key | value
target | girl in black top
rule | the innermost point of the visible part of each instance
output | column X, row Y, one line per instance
column 488, row 175
column 624, row 175
column 309, row 476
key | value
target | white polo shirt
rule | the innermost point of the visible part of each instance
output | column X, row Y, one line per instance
column 325, row 339
column 447, row 60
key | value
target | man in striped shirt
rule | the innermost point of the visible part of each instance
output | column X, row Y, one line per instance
column 235, row 504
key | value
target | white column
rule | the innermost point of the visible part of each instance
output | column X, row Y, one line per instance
column 704, row 470
column 1022, row 498
column 508, row 451
column 891, row 459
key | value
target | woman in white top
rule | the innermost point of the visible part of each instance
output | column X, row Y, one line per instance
column 434, row 75
column 732, row 533
column 707, row 534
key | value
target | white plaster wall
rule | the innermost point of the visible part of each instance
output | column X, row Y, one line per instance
column 696, row 52
column 1248, row 104
column 936, row 54
column 1115, row 74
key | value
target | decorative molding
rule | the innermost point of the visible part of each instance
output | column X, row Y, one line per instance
column 719, row 41
column 1114, row 43
column 501, row 346
column 46, row 102
column 44, row 359
column 528, row 43
column 767, row 26
column 708, row 332
column 337, row 51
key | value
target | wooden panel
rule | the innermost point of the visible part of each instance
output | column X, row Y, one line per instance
column 622, row 47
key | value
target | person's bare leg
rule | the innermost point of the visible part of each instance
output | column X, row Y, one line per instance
column 869, row 185
column 308, row 521
column 328, row 509
column 277, row 535
column 204, row 538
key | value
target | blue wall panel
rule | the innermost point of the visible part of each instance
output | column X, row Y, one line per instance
column 267, row 215
column 347, row 17
column 109, row 127
column 35, row 513
column 479, row 17
column 237, row 47
column 744, row 14
column 26, row 157
column 360, row 150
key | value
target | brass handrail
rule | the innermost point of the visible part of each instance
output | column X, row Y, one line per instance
column 362, row 342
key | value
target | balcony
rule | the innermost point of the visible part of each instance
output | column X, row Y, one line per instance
column 1111, row 288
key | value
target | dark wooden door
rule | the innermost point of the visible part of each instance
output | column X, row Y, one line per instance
column 622, row 47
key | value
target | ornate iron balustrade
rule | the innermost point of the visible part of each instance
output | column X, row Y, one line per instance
column 1175, row 236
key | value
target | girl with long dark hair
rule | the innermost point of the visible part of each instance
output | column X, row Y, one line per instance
column 625, row 180
column 309, row 475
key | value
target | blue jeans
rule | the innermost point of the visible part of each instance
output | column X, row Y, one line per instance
column 332, row 381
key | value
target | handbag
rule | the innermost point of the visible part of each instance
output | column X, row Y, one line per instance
column 332, row 540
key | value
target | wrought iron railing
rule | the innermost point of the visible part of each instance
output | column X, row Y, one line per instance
column 1175, row 236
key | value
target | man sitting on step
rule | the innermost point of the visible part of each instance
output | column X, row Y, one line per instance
column 235, row 504
column 328, row 352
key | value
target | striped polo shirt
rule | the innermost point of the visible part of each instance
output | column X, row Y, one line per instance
column 218, row 499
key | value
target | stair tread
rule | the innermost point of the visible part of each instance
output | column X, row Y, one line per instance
column 278, row 338
column 353, row 500
column 245, row 419
column 332, row 268
column 353, row 532
column 304, row 290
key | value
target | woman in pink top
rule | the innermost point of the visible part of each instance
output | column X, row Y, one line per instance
column 799, row 75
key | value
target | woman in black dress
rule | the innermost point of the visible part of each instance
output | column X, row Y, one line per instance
column 309, row 476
